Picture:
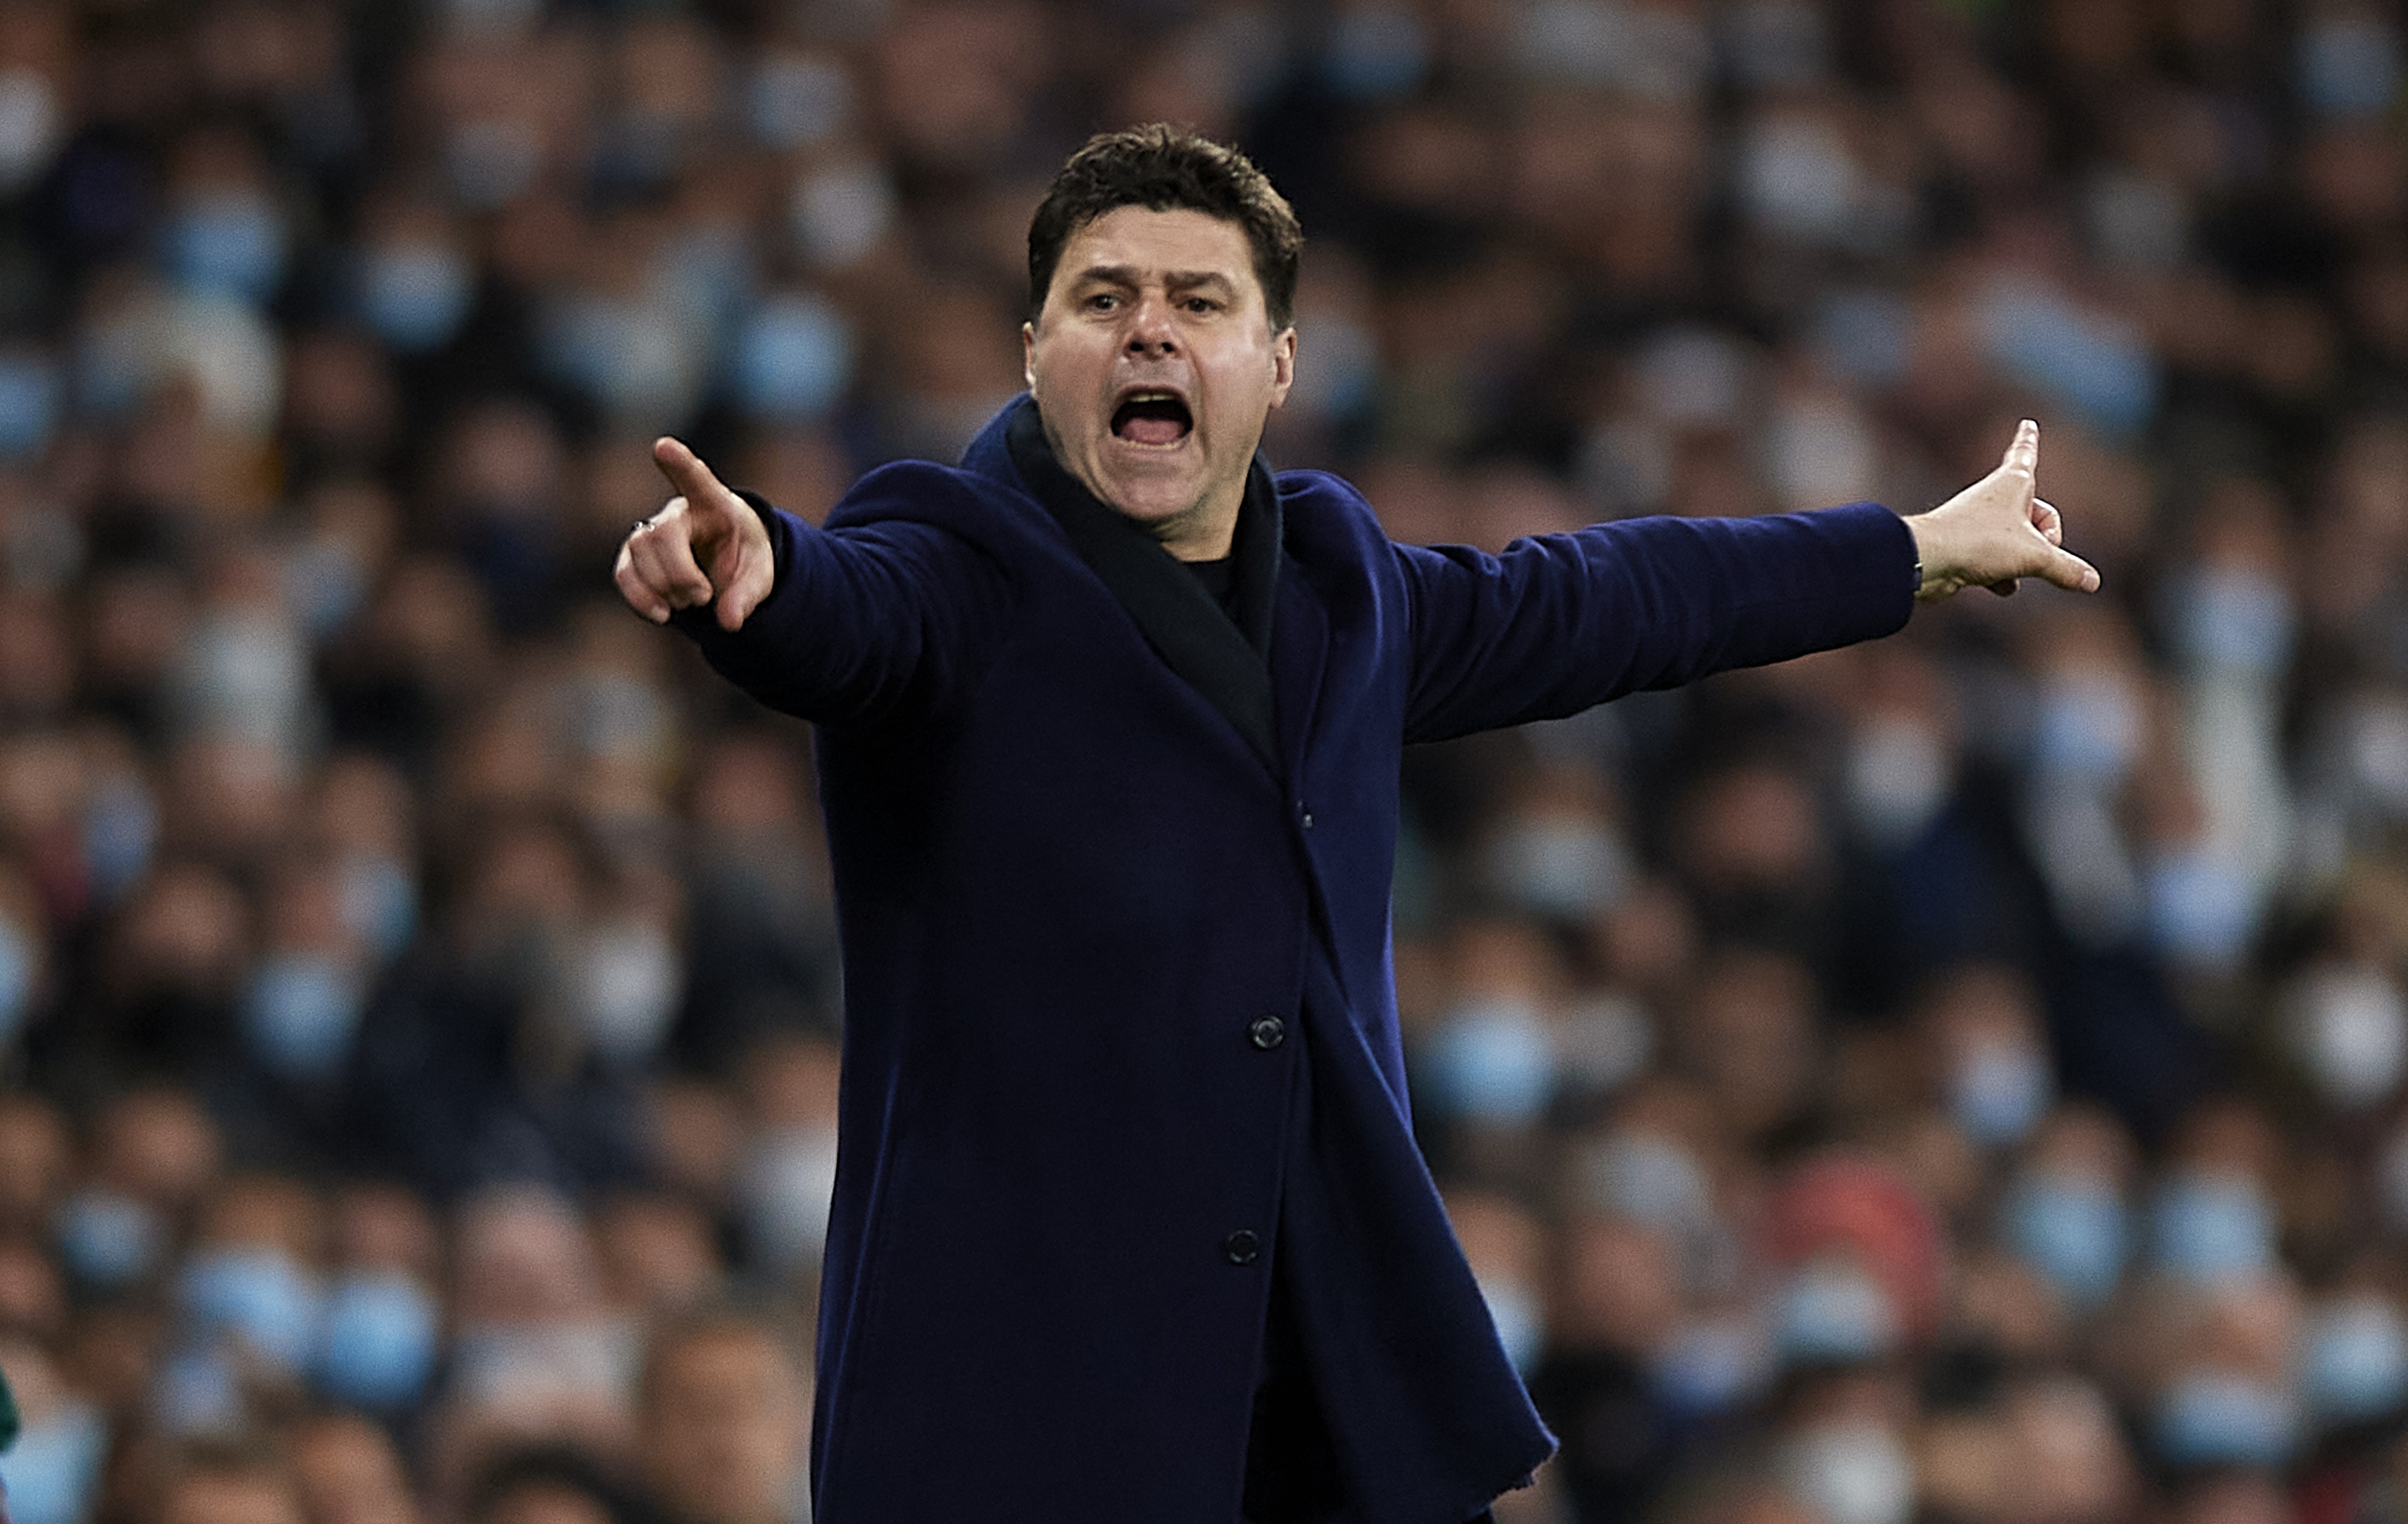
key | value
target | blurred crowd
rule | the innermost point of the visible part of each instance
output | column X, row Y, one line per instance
column 1954, row 1079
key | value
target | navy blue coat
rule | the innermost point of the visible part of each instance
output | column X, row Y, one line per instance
column 1069, row 892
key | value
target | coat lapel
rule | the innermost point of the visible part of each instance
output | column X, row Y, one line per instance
column 1177, row 616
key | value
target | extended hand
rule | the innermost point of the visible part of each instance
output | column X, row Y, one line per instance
column 707, row 544
column 1995, row 531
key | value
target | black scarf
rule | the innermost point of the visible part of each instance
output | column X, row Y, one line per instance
column 1221, row 653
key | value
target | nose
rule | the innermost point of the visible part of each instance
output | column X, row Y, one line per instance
column 1151, row 334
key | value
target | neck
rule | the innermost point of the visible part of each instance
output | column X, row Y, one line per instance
column 1204, row 532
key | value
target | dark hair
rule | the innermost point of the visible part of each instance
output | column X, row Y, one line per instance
column 1164, row 169
column 552, row 1465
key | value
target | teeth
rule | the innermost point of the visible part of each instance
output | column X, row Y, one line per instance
column 1154, row 396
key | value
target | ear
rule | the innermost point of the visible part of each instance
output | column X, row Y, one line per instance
column 1028, row 355
column 1283, row 363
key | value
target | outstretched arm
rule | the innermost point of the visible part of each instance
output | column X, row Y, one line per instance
column 1996, row 531
column 883, row 618
column 1561, row 621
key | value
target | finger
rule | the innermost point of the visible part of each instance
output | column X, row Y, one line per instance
column 640, row 598
column 2022, row 456
column 2070, row 572
column 664, row 559
column 745, row 570
column 2048, row 521
column 744, row 589
column 686, row 472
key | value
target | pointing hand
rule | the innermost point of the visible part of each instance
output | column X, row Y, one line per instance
column 1996, row 531
column 705, row 545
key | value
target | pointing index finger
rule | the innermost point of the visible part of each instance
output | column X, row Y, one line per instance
column 685, row 470
column 2024, row 455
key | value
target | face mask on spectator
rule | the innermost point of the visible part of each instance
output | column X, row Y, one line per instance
column 228, row 244
column 1999, row 1091
column 1521, row 1326
column 53, row 1469
column 2348, row 66
column 2350, row 1029
column 109, row 1240
column 1852, row 1471
column 1491, row 1062
column 2354, row 1366
column 198, row 1390
column 299, row 1015
column 1375, row 51
column 1647, row 1178
column 258, row 1295
column 2138, row 221
column 506, row 1366
column 1603, row 1040
column 794, row 101
column 1820, row 449
column 629, row 981
column 2074, row 1231
column 2211, row 1227
column 787, row 1185
column 1831, row 1312
column 707, row 271
column 2203, row 910
column 246, row 673
column 793, row 359
column 2097, row 361
column 1711, row 1366
column 416, row 295
column 2233, row 622
column 1798, row 180
column 113, row 362
column 839, row 213
column 120, row 827
column 380, row 901
column 2217, row 1418
column 19, row 964
column 639, row 360
column 2088, row 729
column 1898, row 779
column 1344, row 377
column 489, row 162
column 377, row 1341
column 324, row 585
column 29, row 404
column 1560, row 867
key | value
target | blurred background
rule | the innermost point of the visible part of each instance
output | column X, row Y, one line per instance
column 1955, row 1079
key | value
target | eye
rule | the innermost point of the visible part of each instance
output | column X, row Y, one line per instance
column 1200, row 305
column 1102, row 300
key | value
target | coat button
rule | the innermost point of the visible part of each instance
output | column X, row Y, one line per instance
column 1304, row 817
column 1267, row 1032
column 1242, row 1247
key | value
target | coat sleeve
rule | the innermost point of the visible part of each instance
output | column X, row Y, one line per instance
column 884, row 617
column 1558, row 623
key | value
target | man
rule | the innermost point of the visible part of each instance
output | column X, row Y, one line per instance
column 726, row 1419
column 1128, row 1221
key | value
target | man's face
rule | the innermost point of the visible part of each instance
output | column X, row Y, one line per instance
column 1154, row 363
column 726, row 1421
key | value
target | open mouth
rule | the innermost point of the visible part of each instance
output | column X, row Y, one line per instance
column 1151, row 417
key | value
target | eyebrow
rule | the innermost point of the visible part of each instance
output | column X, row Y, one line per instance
column 1130, row 275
